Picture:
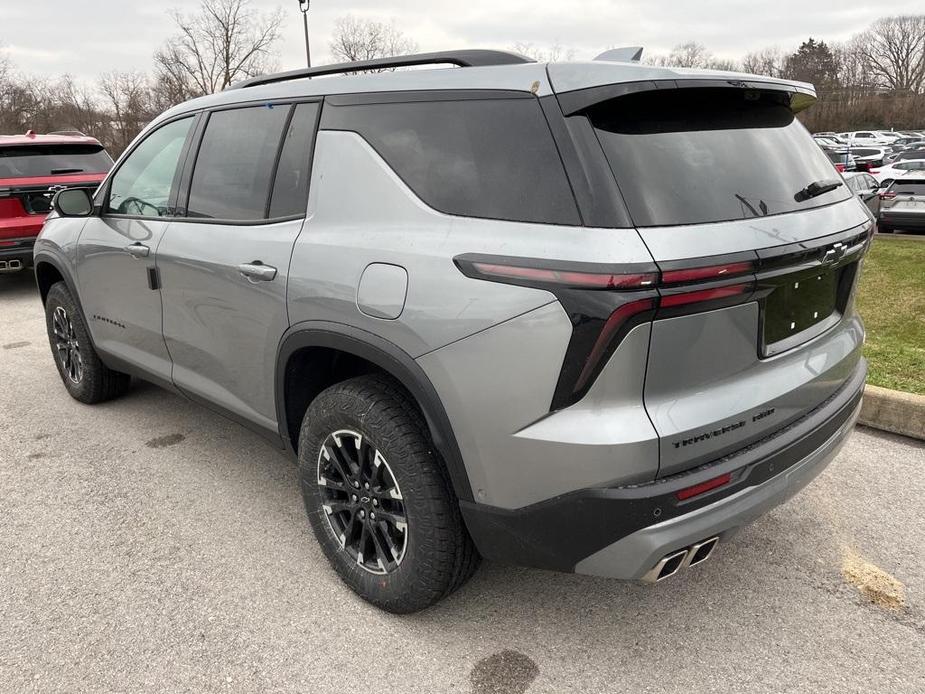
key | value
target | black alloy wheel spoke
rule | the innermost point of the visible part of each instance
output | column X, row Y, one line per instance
column 66, row 345
column 362, row 502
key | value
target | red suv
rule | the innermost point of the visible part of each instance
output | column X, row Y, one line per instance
column 32, row 169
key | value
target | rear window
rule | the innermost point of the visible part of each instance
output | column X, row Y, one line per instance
column 234, row 167
column 913, row 154
column 908, row 187
column 52, row 160
column 492, row 158
column 697, row 155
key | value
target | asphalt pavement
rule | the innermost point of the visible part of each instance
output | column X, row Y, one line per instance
column 148, row 545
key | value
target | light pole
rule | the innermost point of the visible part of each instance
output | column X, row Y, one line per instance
column 303, row 7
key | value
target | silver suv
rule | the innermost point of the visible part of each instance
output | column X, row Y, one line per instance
column 589, row 317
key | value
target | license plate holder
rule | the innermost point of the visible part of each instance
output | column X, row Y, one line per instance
column 800, row 307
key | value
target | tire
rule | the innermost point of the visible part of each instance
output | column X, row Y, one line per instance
column 401, row 572
column 85, row 377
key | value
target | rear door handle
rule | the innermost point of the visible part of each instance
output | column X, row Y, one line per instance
column 137, row 250
column 256, row 271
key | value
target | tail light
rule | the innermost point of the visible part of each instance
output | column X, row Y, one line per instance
column 605, row 302
column 840, row 167
column 889, row 195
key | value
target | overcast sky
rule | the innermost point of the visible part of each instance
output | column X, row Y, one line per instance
column 87, row 37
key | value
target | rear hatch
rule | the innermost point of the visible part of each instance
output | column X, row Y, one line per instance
column 31, row 174
column 904, row 200
column 758, row 242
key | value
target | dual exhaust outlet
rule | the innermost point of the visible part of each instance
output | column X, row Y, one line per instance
column 672, row 563
column 10, row 265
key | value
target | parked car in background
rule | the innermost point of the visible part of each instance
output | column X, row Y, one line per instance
column 869, row 157
column 829, row 141
column 842, row 160
column 864, row 137
column 888, row 172
column 906, row 141
column 912, row 153
column 888, row 135
column 32, row 169
column 866, row 188
column 902, row 204
column 512, row 309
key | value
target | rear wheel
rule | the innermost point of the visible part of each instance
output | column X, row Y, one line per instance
column 378, row 498
column 84, row 376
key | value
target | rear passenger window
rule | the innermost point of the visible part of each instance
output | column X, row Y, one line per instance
column 492, row 158
column 234, row 166
column 290, row 191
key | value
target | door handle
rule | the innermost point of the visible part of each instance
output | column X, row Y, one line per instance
column 256, row 271
column 137, row 250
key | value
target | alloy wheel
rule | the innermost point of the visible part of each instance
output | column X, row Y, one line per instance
column 67, row 346
column 362, row 502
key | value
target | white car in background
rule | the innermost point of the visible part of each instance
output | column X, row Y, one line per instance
column 891, row 172
column 865, row 137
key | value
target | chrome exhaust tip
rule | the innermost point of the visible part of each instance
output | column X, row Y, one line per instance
column 699, row 553
column 667, row 566
column 10, row 265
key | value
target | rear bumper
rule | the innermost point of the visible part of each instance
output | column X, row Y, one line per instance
column 21, row 227
column 623, row 532
column 16, row 249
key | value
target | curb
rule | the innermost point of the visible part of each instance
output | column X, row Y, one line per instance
column 894, row 411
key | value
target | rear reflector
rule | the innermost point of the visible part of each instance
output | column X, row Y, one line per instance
column 704, row 487
column 704, row 295
column 710, row 272
column 568, row 278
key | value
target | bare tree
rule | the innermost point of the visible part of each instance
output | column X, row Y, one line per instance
column 77, row 108
column 894, row 50
column 692, row 54
column 365, row 39
column 553, row 54
column 767, row 61
column 225, row 41
column 127, row 97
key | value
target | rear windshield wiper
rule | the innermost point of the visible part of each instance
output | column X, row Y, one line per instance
column 816, row 188
column 55, row 172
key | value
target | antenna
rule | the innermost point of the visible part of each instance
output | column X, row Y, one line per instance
column 628, row 54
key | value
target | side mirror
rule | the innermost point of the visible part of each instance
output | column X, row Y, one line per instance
column 73, row 202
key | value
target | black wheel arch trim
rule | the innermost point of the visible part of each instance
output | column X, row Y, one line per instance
column 393, row 360
column 49, row 258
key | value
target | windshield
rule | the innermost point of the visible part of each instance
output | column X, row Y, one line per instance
column 697, row 155
column 51, row 160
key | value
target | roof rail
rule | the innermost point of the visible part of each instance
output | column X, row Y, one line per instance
column 467, row 58
column 71, row 133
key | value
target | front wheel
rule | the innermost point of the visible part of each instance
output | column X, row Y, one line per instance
column 378, row 498
column 85, row 377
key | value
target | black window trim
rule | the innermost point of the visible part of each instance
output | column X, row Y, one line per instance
column 449, row 96
column 106, row 188
column 186, row 178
